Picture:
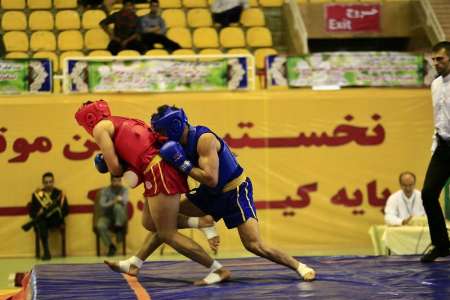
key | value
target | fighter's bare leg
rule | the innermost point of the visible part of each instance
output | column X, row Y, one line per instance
column 251, row 239
column 132, row 265
column 164, row 210
column 192, row 217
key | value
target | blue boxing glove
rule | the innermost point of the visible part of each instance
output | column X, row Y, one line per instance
column 100, row 163
column 173, row 153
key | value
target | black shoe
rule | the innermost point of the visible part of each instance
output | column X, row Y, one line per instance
column 46, row 256
column 434, row 253
column 119, row 230
column 112, row 250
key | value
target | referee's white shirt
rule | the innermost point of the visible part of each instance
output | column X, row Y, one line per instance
column 399, row 207
column 440, row 92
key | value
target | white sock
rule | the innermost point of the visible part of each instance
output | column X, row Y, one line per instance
column 193, row 222
column 215, row 266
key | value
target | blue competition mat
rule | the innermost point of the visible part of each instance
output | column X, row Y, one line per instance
column 394, row 277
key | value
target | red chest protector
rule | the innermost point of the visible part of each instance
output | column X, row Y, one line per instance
column 134, row 142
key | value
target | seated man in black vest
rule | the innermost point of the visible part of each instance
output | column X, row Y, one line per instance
column 48, row 208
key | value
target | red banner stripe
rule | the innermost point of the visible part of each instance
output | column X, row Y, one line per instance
column 23, row 210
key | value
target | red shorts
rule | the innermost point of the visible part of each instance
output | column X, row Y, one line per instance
column 161, row 177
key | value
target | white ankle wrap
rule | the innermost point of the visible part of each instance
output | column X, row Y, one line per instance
column 303, row 269
column 215, row 266
column 193, row 222
column 210, row 232
column 124, row 265
column 212, row 278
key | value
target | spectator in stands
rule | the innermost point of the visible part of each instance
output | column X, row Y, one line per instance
column 2, row 47
column 104, row 4
column 48, row 208
column 88, row 4
column 225, row 12
column 113, row 203
column 153, row 29
column 126, row 25
column 405, row 204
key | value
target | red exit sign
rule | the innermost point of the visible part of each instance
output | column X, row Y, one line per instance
column 352, row 17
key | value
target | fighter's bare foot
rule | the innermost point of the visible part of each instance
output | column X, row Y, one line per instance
column 218, row 276
column 305, row 272
column 129, row 269
column 310, row 276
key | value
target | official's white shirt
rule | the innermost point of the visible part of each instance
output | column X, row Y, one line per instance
column 399, row 207
column 440, row 92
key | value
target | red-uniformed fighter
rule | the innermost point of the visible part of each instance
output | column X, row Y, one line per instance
column 133, row 142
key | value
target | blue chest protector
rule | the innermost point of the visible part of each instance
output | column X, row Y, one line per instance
column 229, row 168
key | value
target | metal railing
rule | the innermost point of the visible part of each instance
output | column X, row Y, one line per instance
column 432, row 20
column 299, row 26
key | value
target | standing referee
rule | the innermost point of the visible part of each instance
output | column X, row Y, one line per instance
column 439, row 168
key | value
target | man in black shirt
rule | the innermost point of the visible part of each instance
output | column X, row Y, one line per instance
column 48, row 208
column 126, row 29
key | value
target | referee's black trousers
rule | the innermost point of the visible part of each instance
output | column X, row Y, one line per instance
column 438, row 173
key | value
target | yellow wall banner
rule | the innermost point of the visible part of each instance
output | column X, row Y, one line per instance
column 322, row 163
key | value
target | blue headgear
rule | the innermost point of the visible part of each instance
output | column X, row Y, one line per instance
column 171, row 123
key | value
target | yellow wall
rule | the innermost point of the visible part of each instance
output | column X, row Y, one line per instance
column 276, row 172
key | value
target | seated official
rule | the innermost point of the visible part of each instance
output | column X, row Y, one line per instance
column 225, row 12
column 48, row 208
column 403, row 206
column 113, row 203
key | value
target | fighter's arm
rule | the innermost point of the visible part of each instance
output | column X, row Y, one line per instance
column 208, row 170
column 106, row 145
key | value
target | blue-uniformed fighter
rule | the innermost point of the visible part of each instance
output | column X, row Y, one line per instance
column 225, row 192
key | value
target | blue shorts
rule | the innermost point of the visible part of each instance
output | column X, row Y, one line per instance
column 234, row 207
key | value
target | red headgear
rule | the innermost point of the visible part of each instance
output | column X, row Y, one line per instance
column 90, row 114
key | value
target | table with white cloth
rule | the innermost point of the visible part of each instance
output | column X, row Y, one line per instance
column 400, row 240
